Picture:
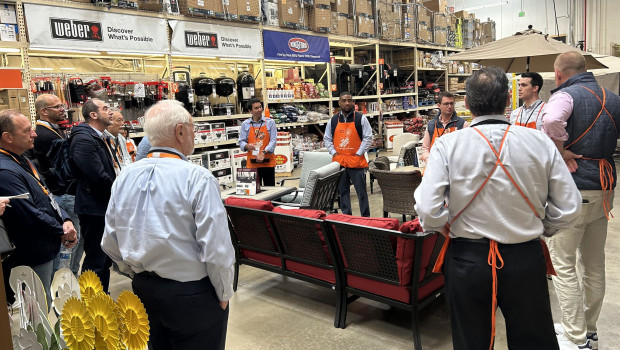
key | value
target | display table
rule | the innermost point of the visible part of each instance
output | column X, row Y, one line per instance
column 267, row 193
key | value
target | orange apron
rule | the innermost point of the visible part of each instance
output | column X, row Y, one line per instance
column 131, row 149
column 494, row 254
column 437, row 134
column 528, row 124
column 260, row 137
column 605, row 168
column 346, row 143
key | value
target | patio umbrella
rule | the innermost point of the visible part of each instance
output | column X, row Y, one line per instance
column 525, row 51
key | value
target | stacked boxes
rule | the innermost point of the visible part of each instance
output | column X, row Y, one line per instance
column 289, row 13
column 339, row 23
column 16, row 99
column 435, row 5
column 390, row 21
column 151, row 5
column 468, row 32
column 441, row 28
column 193, row 7
column 284, row 153
column 488, row 32
column 219, row 163
column 8, row 23
column 364, row 18
column 319, row 18
column 408, row 20
column 248, row 10
column 270, row 12
column 425, row 26
column 238, row 159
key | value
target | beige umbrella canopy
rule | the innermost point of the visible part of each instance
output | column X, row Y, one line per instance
column 527, row 51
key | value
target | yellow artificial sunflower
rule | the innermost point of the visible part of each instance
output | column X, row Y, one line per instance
column 77, row 325
column 103, row 310
column 135, row 321
column 89, row 285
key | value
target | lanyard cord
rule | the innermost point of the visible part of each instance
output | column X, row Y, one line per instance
column 50, row 128
column 256, row 130
column 443, row 130
column 33, row 171
column 531, row 113
column 163, row 154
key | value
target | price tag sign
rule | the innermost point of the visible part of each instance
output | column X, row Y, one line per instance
column 139, row 91
column 175, row 87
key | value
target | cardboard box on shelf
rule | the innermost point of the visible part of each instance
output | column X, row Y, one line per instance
column 218, row 132
column 238, row 159
column 8, row 32
column 289, row 13
column 22, row 96
column 361, row 6
column 350, row 27
column 284, row 153
column 436, row 5
column 324, row 4
column 151, row 5
column 203, row 134
column 229, row 8
column 291, row 76
column 7, row 14
column 440, row 20
column 340, row 6
column 319, row 19
column 462, row 14
column 10, row 97
column 338, row 24
column 194, row 7
column 365, row 26
column 249, row 10
column 217, row 159
column 232, row 132
column 224, row 176
column 270, row 10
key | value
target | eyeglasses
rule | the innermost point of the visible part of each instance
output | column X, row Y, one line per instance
column 55, row 107
column 448, row 104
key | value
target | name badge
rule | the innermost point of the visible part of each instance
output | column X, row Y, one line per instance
column 55, row 205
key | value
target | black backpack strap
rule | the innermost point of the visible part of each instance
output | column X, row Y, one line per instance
column 358, row 125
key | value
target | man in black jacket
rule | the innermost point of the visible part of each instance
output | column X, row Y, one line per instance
column 94, row 170
column 36, row 226
column 51, row 111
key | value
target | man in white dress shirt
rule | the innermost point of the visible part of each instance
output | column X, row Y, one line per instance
column 510, row 188
column 167, row 226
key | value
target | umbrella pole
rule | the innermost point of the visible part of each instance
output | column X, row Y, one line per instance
column 527, row 65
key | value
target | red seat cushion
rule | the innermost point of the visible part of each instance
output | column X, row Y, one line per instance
column 312, row 271
column 386, row 223
column 400, row 293
column 405, row 251
column 249, row 203
column 264, row 258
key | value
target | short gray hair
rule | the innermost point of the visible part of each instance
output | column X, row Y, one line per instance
column 162, row 118
column 487, row 91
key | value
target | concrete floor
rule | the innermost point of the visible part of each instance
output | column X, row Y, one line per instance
column 274, row 312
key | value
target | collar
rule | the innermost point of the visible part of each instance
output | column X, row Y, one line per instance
column 478, row 120
column 262, row 120
column 12, row 153
column 99, row 133
column 55, row 126
column 577, row 78
column 452, row 118
column 536, row 103
column 168, row 149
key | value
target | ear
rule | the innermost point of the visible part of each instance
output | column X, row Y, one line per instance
column 178, row 132
column 6, row 137
column 508, row 101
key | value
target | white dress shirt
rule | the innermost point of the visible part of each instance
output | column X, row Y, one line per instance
column 166, row 216
column 461, row 161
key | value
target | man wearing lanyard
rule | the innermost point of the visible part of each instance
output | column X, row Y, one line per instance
column 117, row 141
column 582, row 119
column 348, row 136
column 167, row 226
column 530, row 114
column 94, row 168
column 37, row 226
column 494, row 204
column 258, row 137
column 446, row 122
column 51, row 111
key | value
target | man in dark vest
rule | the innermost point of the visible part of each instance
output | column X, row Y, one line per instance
column 348, row 136
column 444, row 123
column 582, row 119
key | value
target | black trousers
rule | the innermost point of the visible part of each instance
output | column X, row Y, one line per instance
column 182, row 315
column 267, row 176
column 522, row 295
column 357, row 176
column 91, row 227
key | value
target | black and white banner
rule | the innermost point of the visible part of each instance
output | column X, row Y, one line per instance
column 63, row 28
column 212, row 40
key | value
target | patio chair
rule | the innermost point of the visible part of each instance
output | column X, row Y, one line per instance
column 397, row 189
column 381, row 163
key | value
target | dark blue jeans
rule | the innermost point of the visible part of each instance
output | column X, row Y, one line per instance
column 357, row 176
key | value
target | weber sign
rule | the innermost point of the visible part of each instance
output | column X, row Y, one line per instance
column 199, row 39
column 212, row 40
column 63, row 28
column 75, row 30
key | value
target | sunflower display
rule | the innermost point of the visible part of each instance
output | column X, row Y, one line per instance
column 103, row 311
column 77, row 325
column 134, row 319
column 89, row 285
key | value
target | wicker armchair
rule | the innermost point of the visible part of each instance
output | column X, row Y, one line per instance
column 381, row 163
column 397, row 189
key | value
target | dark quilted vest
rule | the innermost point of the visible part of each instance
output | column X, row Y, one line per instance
column 600, row 142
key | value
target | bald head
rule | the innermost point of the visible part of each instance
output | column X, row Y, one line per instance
column 50, row 108
column 570, row 63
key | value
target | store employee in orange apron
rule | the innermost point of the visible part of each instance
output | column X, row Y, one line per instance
column 258, row 137
column 499, row 202
column 444, row 123
column 530, row 114
column 348, row 136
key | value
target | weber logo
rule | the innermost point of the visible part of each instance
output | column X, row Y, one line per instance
column 200, row 39
column 298, row 45
column 75, row 30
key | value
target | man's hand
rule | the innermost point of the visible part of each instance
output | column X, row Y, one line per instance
column 224, row 304
column 249, row 147
column 3, row 203
column 260, row 157
column 69, row 239
column 569, row 159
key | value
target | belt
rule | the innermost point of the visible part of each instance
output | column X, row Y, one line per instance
column 148, row 274
column 484, row 240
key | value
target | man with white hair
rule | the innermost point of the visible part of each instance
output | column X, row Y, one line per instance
column 167, row 226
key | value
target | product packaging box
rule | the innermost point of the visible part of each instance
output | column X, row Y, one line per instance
column 436, row 5
column 203, row 134
column 8, row 32
column 195, row 159
column 289, row 13
column 7, row 14
column 284, row 153
column 238, row 159
column 270, row 9
column 319, row 19
column 151, row 5
column 392, row 128
column 340, row 6
column 217, row 159
column 218, row 132
column 10, row 97
column 193, row 7
column 247, row 182
column 338, row 24
column 249, row 10
column 232, row 132
column 224, row 175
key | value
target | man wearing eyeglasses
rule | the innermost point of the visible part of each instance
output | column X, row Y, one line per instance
column 50, row 112
column 444, row 123
column 94, row 168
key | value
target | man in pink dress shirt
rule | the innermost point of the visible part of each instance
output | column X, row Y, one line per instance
column 582, row 118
